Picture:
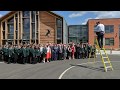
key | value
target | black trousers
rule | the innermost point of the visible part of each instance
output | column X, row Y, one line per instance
column 100, row 39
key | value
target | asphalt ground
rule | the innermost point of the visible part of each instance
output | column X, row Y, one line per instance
column 62, row 69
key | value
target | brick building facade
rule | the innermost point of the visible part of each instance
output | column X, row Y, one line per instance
column 112, row 32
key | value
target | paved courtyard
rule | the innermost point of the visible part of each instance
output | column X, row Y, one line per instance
column 64, row 69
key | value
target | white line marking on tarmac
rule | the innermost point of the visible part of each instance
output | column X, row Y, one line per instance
column 69, row 69
column 60, row 77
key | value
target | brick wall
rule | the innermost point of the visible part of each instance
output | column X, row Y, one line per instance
column 115, row 22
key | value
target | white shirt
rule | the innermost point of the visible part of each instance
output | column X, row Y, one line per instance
column 99, row 28
column 41, row 49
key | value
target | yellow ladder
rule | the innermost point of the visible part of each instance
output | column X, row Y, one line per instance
column 107, row 64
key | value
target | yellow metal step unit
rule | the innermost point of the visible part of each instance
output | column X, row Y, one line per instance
column 105, row 59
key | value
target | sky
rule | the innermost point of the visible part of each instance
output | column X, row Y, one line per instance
column 81, row 17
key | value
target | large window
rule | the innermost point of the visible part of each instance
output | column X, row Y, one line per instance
column 11, row 28
column 78, row 33
column 33, row 15
column 3, row 24
column 26, row 25
column 109, row 28
column 33, row 30
column 26, row 14
column 59, row 31
column 109, row 41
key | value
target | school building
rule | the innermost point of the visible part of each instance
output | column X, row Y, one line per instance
column 32, row 27
column 41, row 27
column 86, row 34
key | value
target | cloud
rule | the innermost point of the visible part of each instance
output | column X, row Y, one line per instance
column 97, row 14
column 77, row 14
column 85, row 21
column 107, row 14
column 1, row 15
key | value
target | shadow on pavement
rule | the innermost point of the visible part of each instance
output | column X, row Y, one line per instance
column 90, row 67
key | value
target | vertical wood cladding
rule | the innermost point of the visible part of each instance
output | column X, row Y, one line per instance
column 47, row 22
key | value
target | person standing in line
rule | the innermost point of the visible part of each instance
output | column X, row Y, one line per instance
column 55, row 52
column 69, row 52
column 24, row 54
column 48, row 55
column 44, row 53
column 100, row 31
column 37, row 54
column 73, row 51
column 64, row 52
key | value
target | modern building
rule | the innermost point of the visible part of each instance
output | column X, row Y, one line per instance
column 37, row 27
column 112, row 32
column 41, row 27
column 85, row 33
column 78, row 33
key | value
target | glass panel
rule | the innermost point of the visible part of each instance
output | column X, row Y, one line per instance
column 26, row 28
column 16, row 24
column 26, row 25
column 26, row 13
column 3, row 25
column 59, row 23
column 59, row 33
column 59, row 30
column 26, row 36
column 36, row 35
column 3, row 34
column 109, row 28
column 33, row 31
column 16, row 15
column 10, row 36
column 10, row 28
column 37, row 23
column 15, row 41
column 33, row 15
column 107, row 41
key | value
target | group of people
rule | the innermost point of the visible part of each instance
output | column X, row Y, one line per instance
column 31, row 53
column 50, row 52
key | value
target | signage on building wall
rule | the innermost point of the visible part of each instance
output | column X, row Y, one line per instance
column 48, row 33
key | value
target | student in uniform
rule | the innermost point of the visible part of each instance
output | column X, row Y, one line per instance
column 10, row 54
column 24, row 54
column 41, row 52
column 55, row 54
column 19, row 53
column 37, row 53
column 44, row 53
column 69, row 52
column 5, row 53
column 15, row 53
column 64, row 52
column 93, row 53
column 27, row 53
column 31, row 55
